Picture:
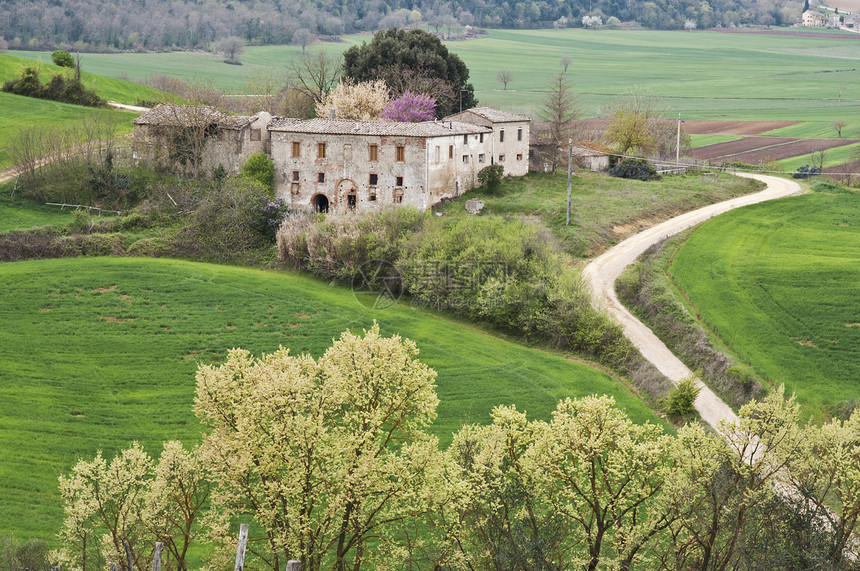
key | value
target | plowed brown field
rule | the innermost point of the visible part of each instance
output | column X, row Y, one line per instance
column 754, row 150
column 733, row 127
column 845, row 171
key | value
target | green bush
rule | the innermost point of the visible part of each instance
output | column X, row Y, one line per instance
column 260, row 167
column 490, row 178
column 681, row 398
column 637, row 169
column 59, row 88
column 62, row 58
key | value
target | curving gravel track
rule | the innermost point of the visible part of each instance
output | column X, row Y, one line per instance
column 602, row 271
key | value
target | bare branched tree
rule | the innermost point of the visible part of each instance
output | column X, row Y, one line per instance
column 232, row 47
column 558, row 109
column 505, row 77
column 314, row 74
column 838, row 125
column 303, row 37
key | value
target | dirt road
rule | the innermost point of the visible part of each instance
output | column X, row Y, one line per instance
column 602, row 272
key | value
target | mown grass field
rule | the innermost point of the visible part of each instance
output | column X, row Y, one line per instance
column 704, row 75
column 777, row 283
column 98, row 352
column 604, row 210
column 20, row 112
column 18, row 213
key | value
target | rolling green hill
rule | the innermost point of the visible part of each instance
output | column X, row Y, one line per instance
column 97, row 352
column 777, row 284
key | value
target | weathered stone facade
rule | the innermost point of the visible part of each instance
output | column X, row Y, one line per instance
column 334, row 164
column 189, row 139
column 510, row 136
column 325, row 164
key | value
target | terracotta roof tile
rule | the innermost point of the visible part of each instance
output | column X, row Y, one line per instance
column 168, row 114
column 494, row 115
column 378, row 128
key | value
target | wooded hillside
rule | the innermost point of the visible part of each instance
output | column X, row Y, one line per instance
column 158, row 24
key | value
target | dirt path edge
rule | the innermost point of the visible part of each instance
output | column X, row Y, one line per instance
column 600, row 275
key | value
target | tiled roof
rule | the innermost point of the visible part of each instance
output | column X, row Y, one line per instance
column 378, row 128
column 494, row 115
column 168, row 114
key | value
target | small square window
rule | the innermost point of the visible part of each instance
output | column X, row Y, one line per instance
column 372, row 197
column 374, row 179
column 398, row 181
column 320, row 150
column 374, row 152
column 465, row 158
column 481, row 158
column 297, row 149
column 501, row 158
column 321, row 177
column 295, row 176
column 401, row 154
column 501, row 135
column 519, row 156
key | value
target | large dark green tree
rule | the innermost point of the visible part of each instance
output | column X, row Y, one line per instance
column 414, row 61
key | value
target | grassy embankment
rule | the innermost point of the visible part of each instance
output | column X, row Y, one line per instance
column 703, row 75
column 776, row 285
column 97, row 352
column 25, row 112
column 604, row 210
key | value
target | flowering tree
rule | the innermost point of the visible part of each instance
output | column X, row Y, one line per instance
column 410, row 108
column 359, row 101
column 325, row 454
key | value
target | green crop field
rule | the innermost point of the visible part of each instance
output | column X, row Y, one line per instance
column 18, row 213
column 97, row 352
column 777, row 283
column 704, row 75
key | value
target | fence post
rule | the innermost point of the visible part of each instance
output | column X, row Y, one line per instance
column 240, row 549
column 156, row 556
column 294, row 565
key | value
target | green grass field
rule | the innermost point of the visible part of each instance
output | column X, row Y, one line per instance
column 777, row 283
column 704, row 75
column 97, row 352
column 604, row 210
column 18, row 213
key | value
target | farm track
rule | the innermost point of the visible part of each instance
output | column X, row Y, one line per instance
column 602, row 272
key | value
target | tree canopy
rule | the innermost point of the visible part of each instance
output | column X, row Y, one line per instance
column 406, row 60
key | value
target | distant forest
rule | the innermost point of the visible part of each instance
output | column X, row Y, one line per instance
column 96, row 25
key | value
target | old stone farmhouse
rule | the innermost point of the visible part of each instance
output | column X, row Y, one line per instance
column 325, row 164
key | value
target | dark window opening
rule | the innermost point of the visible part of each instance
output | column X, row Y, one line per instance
column 465, row 139
column 519, row 134
column 502, row 136
column 398, row 181
column 481, row 137
column 374, row 179
column 351, row 201
column 320, row 203
column 321, row 177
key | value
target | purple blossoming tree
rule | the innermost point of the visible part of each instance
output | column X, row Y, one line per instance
column 410, row 108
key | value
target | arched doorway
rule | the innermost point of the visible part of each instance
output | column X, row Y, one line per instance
column 320, row 203
column 348, row 191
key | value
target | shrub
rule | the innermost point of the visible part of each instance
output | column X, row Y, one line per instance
column 806, row 171
column 62, row 58
column 681, row 399
column 490, row 178
column 59, row 88
column 637, row 169
column 270, row 214
column 260, row 167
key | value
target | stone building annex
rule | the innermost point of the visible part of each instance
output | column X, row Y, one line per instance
column 325, row 164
